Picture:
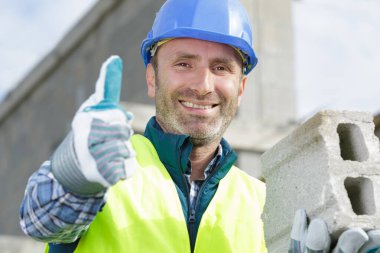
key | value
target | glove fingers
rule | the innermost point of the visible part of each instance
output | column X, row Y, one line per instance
column 299, row 231
column 299, row 228
column 108, row 85
column 373, row 244
column 110, row 157
column 318, row 237
column 114, row 115
column 106, row 152
column 113, row 171
column 351, row 240
column 102, row 132
column 108, row 147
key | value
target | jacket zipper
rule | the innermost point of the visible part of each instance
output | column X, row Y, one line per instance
column 191, row 216
column 193, row 210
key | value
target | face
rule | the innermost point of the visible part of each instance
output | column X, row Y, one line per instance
column 197, row 88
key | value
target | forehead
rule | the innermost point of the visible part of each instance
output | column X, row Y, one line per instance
column 200, row 48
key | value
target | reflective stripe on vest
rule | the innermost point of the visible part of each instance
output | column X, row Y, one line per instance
column 144, row 214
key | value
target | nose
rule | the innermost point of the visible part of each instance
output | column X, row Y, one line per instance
column 204, row 82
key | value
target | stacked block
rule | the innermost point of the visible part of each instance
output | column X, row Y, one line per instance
column 329, row 166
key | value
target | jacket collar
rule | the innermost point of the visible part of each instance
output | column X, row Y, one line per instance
column 174, row 150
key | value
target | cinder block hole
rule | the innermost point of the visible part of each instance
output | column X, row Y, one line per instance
column 352, row 144
column 360, row 193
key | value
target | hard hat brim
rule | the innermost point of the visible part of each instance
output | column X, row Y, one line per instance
column 236, row 42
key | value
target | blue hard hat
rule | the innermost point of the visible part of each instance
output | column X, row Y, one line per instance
column 222, row 21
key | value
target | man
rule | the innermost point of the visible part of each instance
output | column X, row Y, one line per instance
column 185, row 195
column 197, row 55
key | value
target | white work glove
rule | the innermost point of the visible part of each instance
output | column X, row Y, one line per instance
column 315, row 238
column 97, row 153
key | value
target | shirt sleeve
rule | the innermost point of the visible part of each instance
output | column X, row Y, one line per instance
column 50, row 213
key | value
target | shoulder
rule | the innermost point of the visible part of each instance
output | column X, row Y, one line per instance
column 235, row 171
column 253, row 185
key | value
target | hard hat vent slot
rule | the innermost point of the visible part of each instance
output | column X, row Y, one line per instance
column 360, row 193
column 352, row 144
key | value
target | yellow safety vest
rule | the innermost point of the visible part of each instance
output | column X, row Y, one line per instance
column 144, row 214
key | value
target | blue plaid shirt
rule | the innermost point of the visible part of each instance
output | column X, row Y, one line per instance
column 52, row 214
column 195, row 185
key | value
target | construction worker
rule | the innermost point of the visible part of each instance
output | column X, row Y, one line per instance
column 175, row 188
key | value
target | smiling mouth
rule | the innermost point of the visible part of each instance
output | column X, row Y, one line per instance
column 197, row 106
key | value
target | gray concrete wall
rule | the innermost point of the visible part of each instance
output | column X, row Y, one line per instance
column 18, row 244
column 269, row 98
column 270, row 94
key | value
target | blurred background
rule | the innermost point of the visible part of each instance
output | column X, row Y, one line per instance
column 313, row 55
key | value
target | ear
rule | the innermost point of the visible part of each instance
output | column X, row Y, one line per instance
column 150, row 80
column 242, row 88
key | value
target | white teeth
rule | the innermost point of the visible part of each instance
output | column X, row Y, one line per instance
column 188, row 104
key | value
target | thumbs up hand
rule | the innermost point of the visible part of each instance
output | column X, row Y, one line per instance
column 97, row 153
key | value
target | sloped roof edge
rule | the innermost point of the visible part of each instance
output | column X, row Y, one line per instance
column 70, row 41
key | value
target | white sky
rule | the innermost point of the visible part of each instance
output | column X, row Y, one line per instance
column 337, row 45
column 29, row 30
column 337, row 54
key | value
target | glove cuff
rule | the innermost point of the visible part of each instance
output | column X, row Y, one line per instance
column 66, row 169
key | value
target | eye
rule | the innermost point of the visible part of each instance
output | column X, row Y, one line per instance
column 220, row 68
column 183, row 65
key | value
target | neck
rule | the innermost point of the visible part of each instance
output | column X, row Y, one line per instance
column 200, row 158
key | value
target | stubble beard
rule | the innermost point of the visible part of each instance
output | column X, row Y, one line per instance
column 173, row 122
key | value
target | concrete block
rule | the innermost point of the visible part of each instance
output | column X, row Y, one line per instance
column 329, row 166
